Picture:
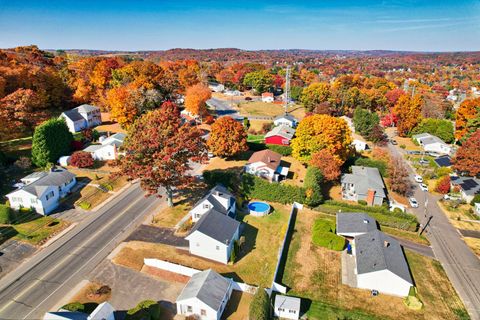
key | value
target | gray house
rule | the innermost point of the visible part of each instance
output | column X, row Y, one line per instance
column 381, row 264
column 205, row 296
column 354, row 224
column 364, row 183
column 469, row 186
column 218, row 198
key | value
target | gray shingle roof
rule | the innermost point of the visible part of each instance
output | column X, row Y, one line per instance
column 282, row 131
column 73, row 115
column 56, row 178
column 35, row 175
column 207, row 286
column 365, row 178
column 355, row 223
column 286, row 116
column 86, row 108
column 66, row 315
column 427, row 138
column 217, row 226
column 93, row 147
column 220, row 191
column 286, row 302
column 376, row 251
column 469, row 185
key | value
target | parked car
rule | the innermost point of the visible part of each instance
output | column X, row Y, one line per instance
column 418, row 178
column 393, row 141
column 423, row 161
column 451, row 197
column 413, row 202
column 423, row 186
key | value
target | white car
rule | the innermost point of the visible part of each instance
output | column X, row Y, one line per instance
column 423, row 186
column 418, row 178
column 413, row 202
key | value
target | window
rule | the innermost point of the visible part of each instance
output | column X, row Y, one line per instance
column 206, row 206
column 189, row 309
column 203, row 312
column 33, row 200
column 292, row 311
column 49, row 195
column 17, row 199
column 218, row 248
column 198, row 244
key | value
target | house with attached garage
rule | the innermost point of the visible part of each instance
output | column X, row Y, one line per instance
column 266, row 164
column 213, row 236
column 285, row 119
column 364, row 183
column 280, row 135
column 219, row 199
column 468, row 186
column 431, row 143
column 354, row 224
column 380, row 264
column 205, row 296
column 42, row 191
column 287, row 307
column 108, row 149
column 82, row 117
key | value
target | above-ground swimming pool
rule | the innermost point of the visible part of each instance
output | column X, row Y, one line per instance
column 259, row 209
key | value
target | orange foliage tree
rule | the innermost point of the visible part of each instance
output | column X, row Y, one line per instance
column 468, row 110
column 196, row 98
column 123, row 106
column 408, row 110
column 227, row 137
column 467, row 157
column 328, row 164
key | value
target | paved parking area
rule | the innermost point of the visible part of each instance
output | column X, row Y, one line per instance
column 153, row 234
column 12, row 253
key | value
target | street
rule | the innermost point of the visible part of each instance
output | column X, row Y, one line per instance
column 459, row 262
column 35, row 287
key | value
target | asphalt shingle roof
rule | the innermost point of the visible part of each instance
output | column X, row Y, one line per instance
column 355, row 223
column 207, row 286
column 217, row 226
column 469, row 185
column 364, row 179
column 56, row 178
column 286, row 116
column 73, row 115
column 286, row 302
column 375, row 251
column 268, row 157
column 219, row 191
column 283, row 131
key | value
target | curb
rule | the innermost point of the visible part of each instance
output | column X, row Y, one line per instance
column 59, row 235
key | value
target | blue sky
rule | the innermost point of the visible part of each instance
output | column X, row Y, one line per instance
column 323, row 24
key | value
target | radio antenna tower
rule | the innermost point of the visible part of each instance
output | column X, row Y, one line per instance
column 286, row 94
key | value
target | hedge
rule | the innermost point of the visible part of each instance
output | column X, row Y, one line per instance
column 257, row 188
column 380, row 165
column 228, row 178
column 145, row 310
column 323, row 235
column 6, row 214
column 395, row 219
column 258, row 146
column 260, row 306
column 313, row 181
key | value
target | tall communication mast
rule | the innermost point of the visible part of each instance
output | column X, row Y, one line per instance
column 286, row 94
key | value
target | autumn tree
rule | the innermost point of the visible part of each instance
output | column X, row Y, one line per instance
column 81, row 159
column 438, row 127
column 260, row 81
column 317, row 132
column 228, row 137
column 408, row 110
column 365, row 122
column 398, row 173
column 314, row 95
column 196, row 98
column 466, row 159
column 328, row 164
column 443, row 185
column 51, row 140
column 123, row 105
column 159, row 150
column 468, row 110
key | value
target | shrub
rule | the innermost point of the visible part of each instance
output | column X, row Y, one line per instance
column 379, row 164
column 323, row 235
column 283, row 150
column 403, row 146
column 258, row 188
column 228, row 178
column 323, row 225
column 266, row 127
column 107, row 186
column 50, row 141
column 77, row 145
column 209, row 119
column 145, row 310
column 443, row 185
column 84, row 205
column 23, row 163
column 476, row 199
column 6, row 214
column 443, row 171
column 260, row 306
column 81, row 159
column 74, row 307
column 313, row 181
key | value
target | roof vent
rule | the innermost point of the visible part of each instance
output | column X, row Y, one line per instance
column 386, row 244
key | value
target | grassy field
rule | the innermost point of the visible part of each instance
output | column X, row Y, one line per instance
column 259, row 108
column 238, row 306
column 314, row 273
column 255, row 263
column 456, row 215
column 296, row 173
column 474, row 244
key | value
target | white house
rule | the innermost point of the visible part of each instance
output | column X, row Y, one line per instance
column 104, row 311
column 205, row 296
column 285, row 119
column 469, row 186
column 266, row 164
column 218, row 198
column 82, row 117
column 364, row 183
column 232, row 93
column 381, row 265
column 213, row 236
column 287, row 307
column 360, row 145
column 42, row 191
column 108, row 149
column 267, row 97
column 354, row 224
column 216, row 87
column 431, row 143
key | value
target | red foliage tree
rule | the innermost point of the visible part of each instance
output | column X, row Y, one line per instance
column 443, row 185
column 398, row 173
column 81, row 159
column 467, row 158
column 389, row 120
column 327, row 163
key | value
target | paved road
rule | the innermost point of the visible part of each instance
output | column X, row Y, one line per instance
column 31, row 290
column 461, row 265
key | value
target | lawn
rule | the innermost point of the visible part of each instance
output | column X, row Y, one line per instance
column 456, row 215
column 255, row 138
column 88, row 294
column 407, row 235
column 257, row 125
column 474, row 244
column 238, row 306
column 221, row 163
column 296, row 173
column 259, row 108
column 35, row 230
column 256, row 261
column 314, row 273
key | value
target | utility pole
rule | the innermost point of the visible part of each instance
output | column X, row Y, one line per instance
column 286, row 94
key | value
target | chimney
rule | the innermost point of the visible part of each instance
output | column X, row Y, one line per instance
column 386, row 244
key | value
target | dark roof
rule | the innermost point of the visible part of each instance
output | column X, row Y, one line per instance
column 207, row 286
column 219, row 191
column 73, row 115
column 217, row 226
column 270, row 158
column 376, row 251
column 469, row 185
column 443, row 161
column 355, row 223
column 365, row 179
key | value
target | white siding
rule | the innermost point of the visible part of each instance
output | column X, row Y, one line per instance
column 259, row 169
column 283, row 121
column 209, row 248
column 286, row 313
column 194, row 307
column 438, row 147
column 385, row 282
column 22, row 199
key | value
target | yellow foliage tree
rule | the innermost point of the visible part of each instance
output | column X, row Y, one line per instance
column 318, row 132
column 123, row 105
column 195, row 99
column 409, row 113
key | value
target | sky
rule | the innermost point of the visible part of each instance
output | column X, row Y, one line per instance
column 321, row 25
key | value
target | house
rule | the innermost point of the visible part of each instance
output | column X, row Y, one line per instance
column 266, row 164
column 431, row 143
column 82, row 117
column 219, row 199
column 232, row 93
column 213, row 236
column 267, row 97
column 287, row 307
column 104, row 311
column 360, row 145
column 443, row 161
column 285, row 119
column 354, row 224
column 205, row 296
column 42, row 191
column 216, row 87
column 381, row 265
column 108, row 149
column 364, row 183
column 468, row 186
column 280, row 135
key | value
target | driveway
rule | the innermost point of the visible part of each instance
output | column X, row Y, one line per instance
column 13, row 253
column 422, row 249
column 153, row 234
column 130, row 287
column 470, row 233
